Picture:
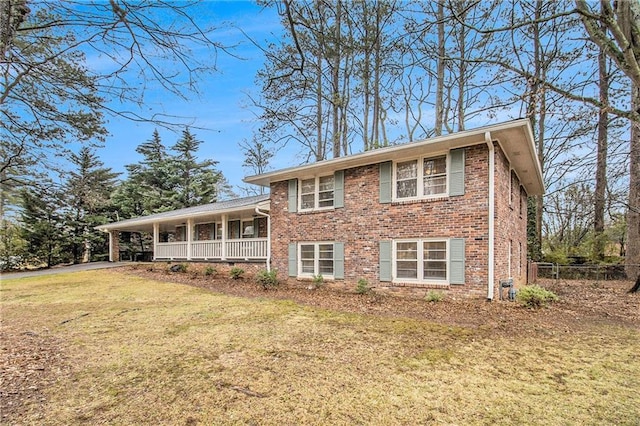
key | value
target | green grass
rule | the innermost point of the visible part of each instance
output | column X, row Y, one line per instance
column 145, row 352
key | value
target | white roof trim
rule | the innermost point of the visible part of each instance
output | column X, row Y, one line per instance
column 515, row 138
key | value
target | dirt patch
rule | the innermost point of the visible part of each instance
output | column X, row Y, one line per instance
column 30, row 361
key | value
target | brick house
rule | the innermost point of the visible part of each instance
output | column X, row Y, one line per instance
column 447, row 213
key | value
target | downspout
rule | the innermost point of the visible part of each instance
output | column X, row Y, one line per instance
column 258, row 212
column 492, row 196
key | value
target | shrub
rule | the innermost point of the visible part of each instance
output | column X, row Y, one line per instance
column 534, row 296
column 210, row 271
column 236, row 273
column 434, row 296
column 179, row 267
column 318, row 281
column 363, row 286
column 267, row 279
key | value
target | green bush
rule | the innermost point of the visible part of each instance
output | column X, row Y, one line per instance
column 267, row 279
column 179, row 267
column 318, row 281
column 210, row 271
column 363, row 286
column 534, row 296
column 236, row 273
column 434, row 296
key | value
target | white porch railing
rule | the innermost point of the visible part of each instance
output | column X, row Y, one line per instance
column 250, row 248
column 206, row 250
column 171, row 251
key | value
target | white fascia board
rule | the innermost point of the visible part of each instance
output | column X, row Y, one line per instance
column 441, row 143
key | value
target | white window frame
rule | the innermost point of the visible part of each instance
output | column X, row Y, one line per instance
column 420, row 261
column 316, row 259
column 420, row 177
column 316, row 193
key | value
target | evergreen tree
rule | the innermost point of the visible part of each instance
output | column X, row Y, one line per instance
column 88, row 188
column 193, row 182
column 42, row 224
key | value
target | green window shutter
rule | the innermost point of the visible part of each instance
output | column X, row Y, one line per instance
column 456, row 261
column 293, row 195
column 456, row 174
column 385, row 261
column 338, row 189
column 293, row 259
column 386, row 181
column 338, row 261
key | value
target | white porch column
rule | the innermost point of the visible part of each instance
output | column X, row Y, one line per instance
column 110, row 246
column 189, row 237
column 156, row 237
column 224, row 236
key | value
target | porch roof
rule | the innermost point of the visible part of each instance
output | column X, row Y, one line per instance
column 515, row 138
column 145, row 223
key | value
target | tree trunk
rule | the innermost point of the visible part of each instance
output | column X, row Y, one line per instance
column 632, row 259
column 601, row 164
column 636, row 286
column 440, row 72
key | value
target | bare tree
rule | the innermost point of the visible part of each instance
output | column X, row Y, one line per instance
column 52, row 93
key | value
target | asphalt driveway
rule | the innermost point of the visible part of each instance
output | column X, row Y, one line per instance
column 62, row 269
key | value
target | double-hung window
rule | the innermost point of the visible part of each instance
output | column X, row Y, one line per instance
column 316, row 259
column 421, row 178
column 421, row 260
column 317, row 193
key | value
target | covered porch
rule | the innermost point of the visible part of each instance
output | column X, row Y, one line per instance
column 235, row 230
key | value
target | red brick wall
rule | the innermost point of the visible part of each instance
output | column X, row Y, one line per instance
column 511, row 223
column 363, row 222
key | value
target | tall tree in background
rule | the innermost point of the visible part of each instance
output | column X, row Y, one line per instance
column 42, row 224
column 193, row 182
column 257, row 156
column 616, row 30
column 87, row 190
column 49, row 94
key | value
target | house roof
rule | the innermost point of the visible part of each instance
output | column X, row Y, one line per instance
column 145, row 223
column 515, row 138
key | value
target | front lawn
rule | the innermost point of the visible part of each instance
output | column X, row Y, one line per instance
column 105, row 347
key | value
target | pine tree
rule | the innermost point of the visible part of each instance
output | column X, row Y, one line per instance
column 88, row 189
column 42, row 224
column 193, row 182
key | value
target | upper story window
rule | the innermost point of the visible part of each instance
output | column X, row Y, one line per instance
column 317, row 192
column 420, row 178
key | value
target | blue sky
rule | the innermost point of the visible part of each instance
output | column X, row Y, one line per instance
column 220, row 115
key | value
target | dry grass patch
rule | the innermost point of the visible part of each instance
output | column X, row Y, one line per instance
column 137, row 351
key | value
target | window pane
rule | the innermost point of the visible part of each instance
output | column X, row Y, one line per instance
column 308, row 186
column 326, row 251
column 406, row 188
column 435, row 270
column 307, row 201
column 435, row 166
column 435, row 250
column 326, row 267
column 326, row 183
column 435, row 176
column 407, row 250
column 307, row 251
column 407, row 269
column 435, row 185
column 407, row 170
